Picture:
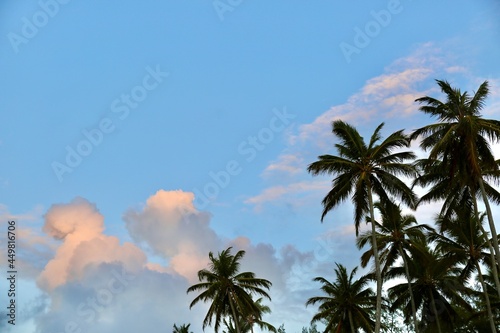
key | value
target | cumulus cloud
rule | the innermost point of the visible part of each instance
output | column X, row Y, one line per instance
column 94, row 283
column 173, row 228
column 79, row 226
column 111, row 299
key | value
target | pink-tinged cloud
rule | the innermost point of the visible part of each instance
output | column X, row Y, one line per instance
column 455, row 69
column 80, row 225
column 173, row 228
column 389, row 85
column 280, row 192
column 390, row 95
column 286, row 163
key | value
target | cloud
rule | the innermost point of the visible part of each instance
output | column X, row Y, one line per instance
column 111, row 299
column 286, row 163
column 80, row 225
column 388, row 96
column 174, row 229
column 391, row 94
column 279, row 192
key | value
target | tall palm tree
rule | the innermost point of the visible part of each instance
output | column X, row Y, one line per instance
column 363, row 171
column 349, row 303
column 229, row 291
column 460, row 140
column 435, row 283
column 395, row 237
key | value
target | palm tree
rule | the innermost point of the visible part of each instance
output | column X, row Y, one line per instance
column 229, row 291
column 460, row 140
column 349, row 304
column 395, row 237
column 362, row 170
column 435, row 283
column 457, row 191
column 243, row 325
column 494, row 299
column 465, row 244
column 246, row 323
column 181, row 329
column 256, row 318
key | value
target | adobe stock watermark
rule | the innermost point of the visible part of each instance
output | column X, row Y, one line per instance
column 363, row 36
column 32, row 25
column 221, row 7
column 89, row 310
column 121, row 106
column 249, row 149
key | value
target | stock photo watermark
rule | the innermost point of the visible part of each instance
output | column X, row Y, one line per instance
column 363, row 36
column 11, row 272
column 93, row 137
column 32, row 25
column 221, row 7
column 248, row 149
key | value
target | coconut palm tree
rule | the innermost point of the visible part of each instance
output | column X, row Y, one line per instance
column 348, row 305
column 395, row 235
column 460, row 140
column 362, row 171
column 435, row 285
column 243, row 325
column 246, row 323
column 256, row 318
column 457, row 191
column 465, row 244
column 181, row 329
column 229, row 291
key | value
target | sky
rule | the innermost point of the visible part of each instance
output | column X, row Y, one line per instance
column 136, row 137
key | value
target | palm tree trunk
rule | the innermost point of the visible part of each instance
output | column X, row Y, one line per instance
column 235, row 318
column 339, row 327
column 412, row 300
column 491, row 223
column 492, row 252
column 487, row 298
column 378, row 309
column 351, row 323
column 433, row 305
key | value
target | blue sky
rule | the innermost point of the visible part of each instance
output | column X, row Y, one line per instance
column 229, row 100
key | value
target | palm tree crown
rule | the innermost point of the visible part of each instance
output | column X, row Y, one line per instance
column 229, row 291
column 360, row 167
column 460, row 137
column 349, row 304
